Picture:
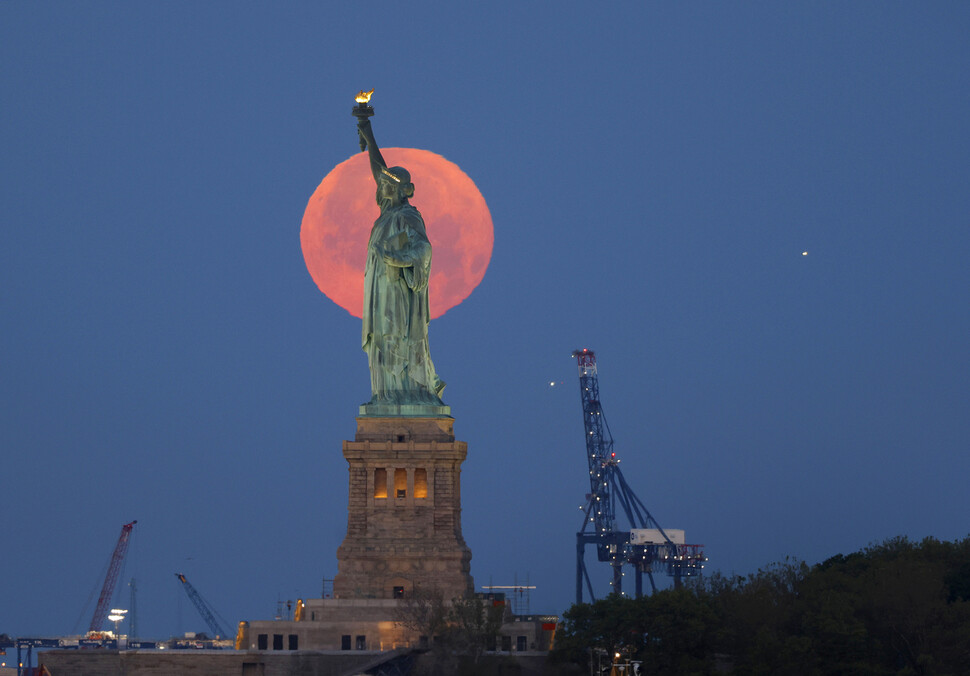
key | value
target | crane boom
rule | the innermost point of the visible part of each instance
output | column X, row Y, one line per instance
column 108, row 589
column 202, row 607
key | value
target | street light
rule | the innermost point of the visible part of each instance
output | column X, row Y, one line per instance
column 116, row 616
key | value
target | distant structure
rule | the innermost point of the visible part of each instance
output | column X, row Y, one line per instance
column 132, row 610
column 643, row 545
column 517, row 596
column 108, row 589
column 204, row 610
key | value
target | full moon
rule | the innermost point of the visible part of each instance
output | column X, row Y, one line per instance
column 343, row 208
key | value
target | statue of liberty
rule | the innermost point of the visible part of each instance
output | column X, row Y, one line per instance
column 396, row 316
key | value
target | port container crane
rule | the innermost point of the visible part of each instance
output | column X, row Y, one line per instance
column 644, row 545
column 204, row 610
column 108, row 589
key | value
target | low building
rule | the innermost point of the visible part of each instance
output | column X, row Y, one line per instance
column 374, row 624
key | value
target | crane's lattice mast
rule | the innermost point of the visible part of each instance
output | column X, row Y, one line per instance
column 202, row 607
column 599, row 446
column 607, row 489
column 108, row 589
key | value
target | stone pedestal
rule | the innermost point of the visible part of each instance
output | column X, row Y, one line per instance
column 404, row 521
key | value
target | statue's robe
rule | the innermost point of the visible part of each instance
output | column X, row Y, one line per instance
column 396, row 315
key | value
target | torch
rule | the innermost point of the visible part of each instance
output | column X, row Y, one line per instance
column 362, row 111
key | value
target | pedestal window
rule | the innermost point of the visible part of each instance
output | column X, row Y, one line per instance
column 380, row 483
column 420, row 483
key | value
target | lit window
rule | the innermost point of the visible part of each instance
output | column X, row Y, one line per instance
column 380, row 483
column 420, row 483
column 401, row 483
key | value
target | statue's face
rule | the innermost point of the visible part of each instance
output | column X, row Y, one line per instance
column 389, row 190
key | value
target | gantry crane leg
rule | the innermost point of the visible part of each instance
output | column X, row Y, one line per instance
column 581, row 573
column 580, row 567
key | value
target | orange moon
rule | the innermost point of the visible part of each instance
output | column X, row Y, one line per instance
column 343, row 208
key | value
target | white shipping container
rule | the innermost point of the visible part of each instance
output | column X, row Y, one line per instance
column 652, row 536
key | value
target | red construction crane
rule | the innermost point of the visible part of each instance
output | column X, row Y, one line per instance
column 108, row 590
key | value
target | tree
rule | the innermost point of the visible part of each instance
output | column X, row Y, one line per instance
column 473, row 624
column 609, row 625
column 678, row 628
column 757, row 617
column 458, row 632
column 898, row 607
column 423, row 612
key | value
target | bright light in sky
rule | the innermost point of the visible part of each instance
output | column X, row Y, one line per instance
column 804, row 253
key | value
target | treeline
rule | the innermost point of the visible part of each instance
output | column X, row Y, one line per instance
column 899, row 607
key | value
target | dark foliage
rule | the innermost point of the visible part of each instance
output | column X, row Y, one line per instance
column 898, row 607
column 458, row 632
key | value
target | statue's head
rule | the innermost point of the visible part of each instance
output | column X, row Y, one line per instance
column 396, row 184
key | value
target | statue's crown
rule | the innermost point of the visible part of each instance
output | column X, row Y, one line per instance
column 390, row 175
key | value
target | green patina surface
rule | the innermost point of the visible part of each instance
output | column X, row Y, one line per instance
column 396, row 316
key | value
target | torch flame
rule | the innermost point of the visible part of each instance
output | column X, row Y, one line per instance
column 364, row 97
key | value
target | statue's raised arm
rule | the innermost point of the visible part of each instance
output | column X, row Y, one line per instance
column 366, row 133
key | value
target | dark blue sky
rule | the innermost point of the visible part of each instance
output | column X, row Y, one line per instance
column 654, row 173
